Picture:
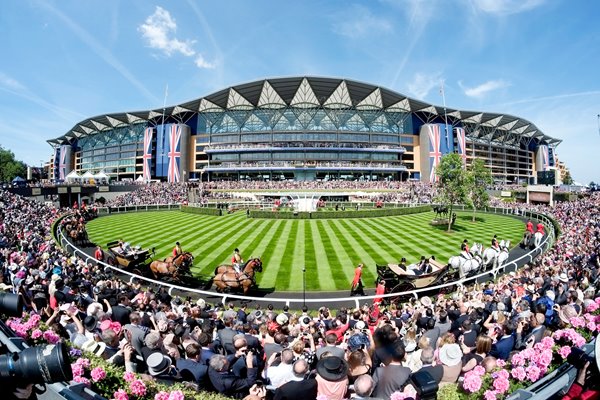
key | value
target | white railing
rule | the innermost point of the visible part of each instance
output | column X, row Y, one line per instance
column 148, row 207
column 546, row 243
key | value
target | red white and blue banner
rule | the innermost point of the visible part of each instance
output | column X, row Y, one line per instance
column 543, row 158
column 435, row 154
column 147, row 156
column 461, row 141
column 174, row 153
column 433, row 146
column 64, row 163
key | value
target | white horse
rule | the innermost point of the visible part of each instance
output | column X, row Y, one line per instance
column 494, row 258
column 473, row 264
column 537, row 239
column 456, row 261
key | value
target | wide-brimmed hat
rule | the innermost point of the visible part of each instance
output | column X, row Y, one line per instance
column 158, row 363
column 305, row 320
column 360, row 325
column 332, row 369
column 282, row 319
column 566, row 313
column 108, row 324
column 96, row 348
column 426, row 301
column 409, row 345
column 450, row 354
column 357, row 341
column 550, row 294
column 563, row 278
column 90, row 322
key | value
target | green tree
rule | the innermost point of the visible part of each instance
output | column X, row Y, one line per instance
column 479, row 177
column 9, row 167
column 567, row 178
column 452, row 186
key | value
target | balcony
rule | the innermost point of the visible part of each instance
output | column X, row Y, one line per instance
column 346, row 147
column 309, row 165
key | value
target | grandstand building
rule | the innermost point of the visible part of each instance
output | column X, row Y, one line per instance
column 300, row 128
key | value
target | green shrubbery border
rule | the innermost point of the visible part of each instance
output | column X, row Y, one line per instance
column 383, row 212
column 202, row 210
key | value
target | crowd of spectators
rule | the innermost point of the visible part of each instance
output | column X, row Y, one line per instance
column 369, row 351
column 153, row 193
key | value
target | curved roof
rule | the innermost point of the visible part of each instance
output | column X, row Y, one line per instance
column 315, row 92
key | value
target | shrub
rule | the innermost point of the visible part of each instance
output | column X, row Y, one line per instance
column 381, row 212
column 202, row 210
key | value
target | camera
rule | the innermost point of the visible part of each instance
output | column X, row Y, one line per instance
column 11, row 304
column 40, row 364
column 578, row 358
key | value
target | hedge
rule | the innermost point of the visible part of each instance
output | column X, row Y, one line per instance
column 202, row 210
column 383, row 212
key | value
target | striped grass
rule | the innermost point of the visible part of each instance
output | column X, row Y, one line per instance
column 328, row 249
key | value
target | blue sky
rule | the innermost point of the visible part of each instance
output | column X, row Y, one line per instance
column 65, row 61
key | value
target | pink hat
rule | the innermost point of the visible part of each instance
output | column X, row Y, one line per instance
column 108, row 324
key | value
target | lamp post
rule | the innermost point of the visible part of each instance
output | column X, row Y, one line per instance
column 303, row 286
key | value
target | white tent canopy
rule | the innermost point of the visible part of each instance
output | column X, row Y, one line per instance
column 101, row 176
column 72, row 176
column 87, row 175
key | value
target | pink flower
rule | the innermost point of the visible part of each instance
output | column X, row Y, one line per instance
column 479, row 370
column 120, row 395
column 84, row 362
column 51, row 337
column 533, row 373
column 501, row 384
column 545, row 358
column 129, row 376
column 137, row 388
column 518, row 359
column 176, row 395
column 81, row 379
column 36, row 334
column 547, row 342
column 518, row 373
column 591, row 325
column 500, row 363
column 162, row 395
column 589, row 317
column 577, row 322
column 597, row 300
column 489, row 395
column 77, row 369
column 98, row 374
column 502, row 374
column 398, row 396
column 472, row 382
column 564, row 351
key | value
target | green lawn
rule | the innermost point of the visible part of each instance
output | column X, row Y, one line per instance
column 330, row 249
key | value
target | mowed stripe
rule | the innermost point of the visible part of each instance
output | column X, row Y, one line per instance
column 329, row 249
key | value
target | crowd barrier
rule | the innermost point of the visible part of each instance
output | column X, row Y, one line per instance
column 546, row 243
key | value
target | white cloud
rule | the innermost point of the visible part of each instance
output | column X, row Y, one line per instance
column 422, row 84
column 10, row 83
column 159, row 31
column 360, row 22
column 505, row 7
column 202, row 63
column 483, row 89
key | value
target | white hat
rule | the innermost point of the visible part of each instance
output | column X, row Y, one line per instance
column 563, row 278
column 410, row 346
column 201, row 303
column 282, row 319
column 550, row 294
column 360, row 325
column 158, row 363
column 426, row 301
column 450, row 354
column 91, row 346
column 579, row 295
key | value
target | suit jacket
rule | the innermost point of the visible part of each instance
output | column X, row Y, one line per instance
column 226, row 338
column 436, row 372
column 121, row 314
column 297, row 390
column 537, row 335
column 198, row 371
column 229, row 384
column 503, row 347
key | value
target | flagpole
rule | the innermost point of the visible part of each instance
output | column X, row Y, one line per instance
column 598, row 124
column 163, row 119
column 445, row 113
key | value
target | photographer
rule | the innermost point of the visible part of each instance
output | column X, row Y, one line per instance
column 585, row 386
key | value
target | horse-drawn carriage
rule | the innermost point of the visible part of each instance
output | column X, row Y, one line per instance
column 128, row 257
column 399, row 278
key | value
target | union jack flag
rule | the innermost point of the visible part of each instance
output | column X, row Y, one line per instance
column 147, row 157
column 435, row 155
column 461, row 139
column 62, row 165
column 174, row 153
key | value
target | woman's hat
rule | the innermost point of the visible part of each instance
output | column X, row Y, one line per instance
column 563, row 278
column 450, row 354
column 96, row 348
column 410, row 346
column 108, row 324
column 282, row 319
column 360, row 325
column 426, row 301
column 158, row 363
column 566, row 313
column 305, row 321
column 357, row 341
column 332, row 369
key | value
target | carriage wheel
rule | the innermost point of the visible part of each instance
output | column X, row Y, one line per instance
column 401, row 287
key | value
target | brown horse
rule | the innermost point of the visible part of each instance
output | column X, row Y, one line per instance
column 178, row 265
column 225, row 277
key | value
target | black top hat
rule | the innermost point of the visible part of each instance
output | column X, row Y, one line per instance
column 332, row 369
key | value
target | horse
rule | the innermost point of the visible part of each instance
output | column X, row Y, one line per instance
column 496, row 258
column 226, row 279
column 472, row 265
column 526, row 242
column 440, row 211
column 537, row 239
column 456, row 261
column 179, row 264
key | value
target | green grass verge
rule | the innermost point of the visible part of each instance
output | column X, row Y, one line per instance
column 329, row 249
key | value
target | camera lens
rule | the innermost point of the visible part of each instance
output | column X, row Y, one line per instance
column 40, row 364
column 11, row 304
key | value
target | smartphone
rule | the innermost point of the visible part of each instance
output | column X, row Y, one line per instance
column 259, row 383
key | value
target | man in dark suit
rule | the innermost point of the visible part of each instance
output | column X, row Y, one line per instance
column 299, row 388
column 191, row 369
column 121, row 311
column 226, row 335
column 363, row 387
column 225, row 381
column 427, row 357
column 535, row 335
column 502, row 348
